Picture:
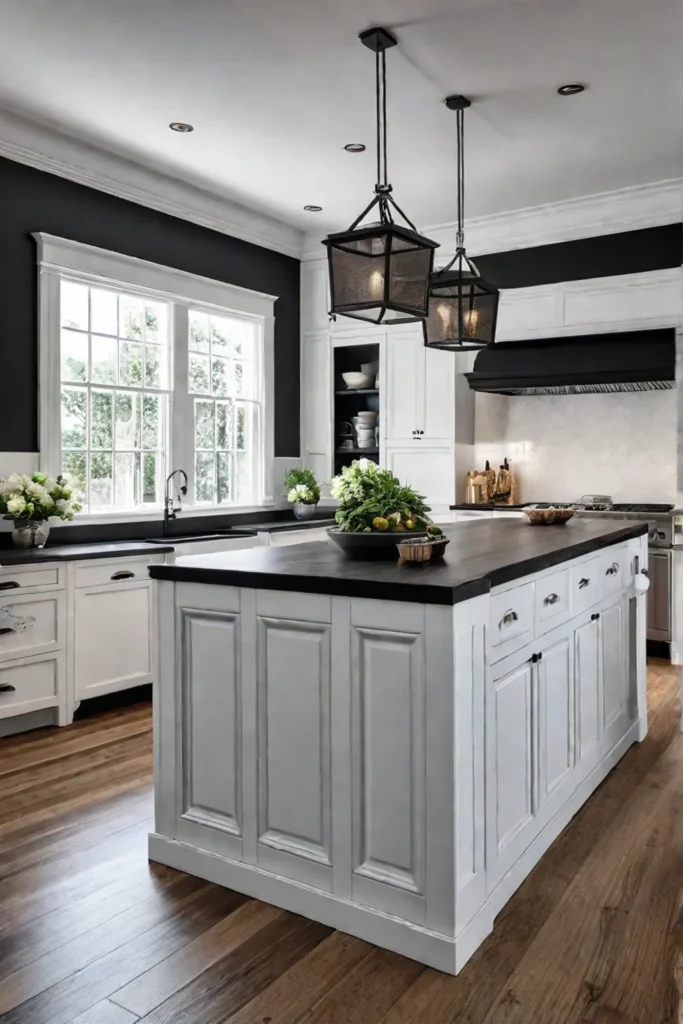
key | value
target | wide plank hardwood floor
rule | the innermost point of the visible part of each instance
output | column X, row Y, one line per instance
column 90, row 933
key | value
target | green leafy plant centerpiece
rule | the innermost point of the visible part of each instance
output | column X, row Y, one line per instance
column 374, row 500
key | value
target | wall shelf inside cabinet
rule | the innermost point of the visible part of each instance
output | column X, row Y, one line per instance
column 358, row 391
column 357, row 451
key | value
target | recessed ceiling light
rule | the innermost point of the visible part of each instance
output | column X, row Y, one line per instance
column 354, row 147
column 572, row 89
column 313, row 209
column 180, row 126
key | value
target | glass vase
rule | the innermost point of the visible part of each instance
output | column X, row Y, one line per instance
column 30, row 533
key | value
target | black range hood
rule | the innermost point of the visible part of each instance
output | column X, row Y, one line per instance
column 626, row 361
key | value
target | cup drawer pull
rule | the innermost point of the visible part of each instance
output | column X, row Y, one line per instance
column 584, row 582
column 551, row 599
column 15, row 623
column 7, row 688
column 509, row 617
column 9, row 585
column 613, row 569
column 123, row 574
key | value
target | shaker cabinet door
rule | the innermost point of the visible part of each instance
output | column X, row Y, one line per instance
column 402, row 405
column 438, row 397
column 113, row 632
column 588, row 687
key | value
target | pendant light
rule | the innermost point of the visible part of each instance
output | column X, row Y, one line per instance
column 462, row 306
column 380, row 271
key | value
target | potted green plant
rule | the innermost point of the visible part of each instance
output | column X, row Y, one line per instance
column 303, row 491
column 31, row 501
column 375, row 511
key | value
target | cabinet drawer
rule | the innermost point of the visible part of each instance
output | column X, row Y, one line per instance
column 123, row 570
column 512, row 619
column 552, row 600
column 30, row 577
column 29, row 685
column 586, row 584
column 30, row 624
column 615, row 570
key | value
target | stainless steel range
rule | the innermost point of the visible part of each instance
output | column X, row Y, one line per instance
column 665, row 532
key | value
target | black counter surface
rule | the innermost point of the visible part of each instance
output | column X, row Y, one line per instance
column 290, row 524
column 482, row 554
column 465, row 507
column 71, row 552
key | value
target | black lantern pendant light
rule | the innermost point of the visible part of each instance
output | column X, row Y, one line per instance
column 462, row 306
column 380, row 272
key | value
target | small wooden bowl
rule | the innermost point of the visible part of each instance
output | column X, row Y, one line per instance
column 548, row 516
column 439, row 547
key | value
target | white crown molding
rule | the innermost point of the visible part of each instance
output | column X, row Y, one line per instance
column 640, row 206
column 48, row 150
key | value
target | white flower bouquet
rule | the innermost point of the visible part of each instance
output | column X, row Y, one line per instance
column 37, row 498
column 302, row 487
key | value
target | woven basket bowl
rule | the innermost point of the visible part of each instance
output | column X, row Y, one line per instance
column 548, row 516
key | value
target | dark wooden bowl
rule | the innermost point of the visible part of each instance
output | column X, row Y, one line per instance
column 371, row 546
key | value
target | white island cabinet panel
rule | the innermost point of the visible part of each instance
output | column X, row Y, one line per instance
column 211, row 690
column 588, row 696
column 114, row 630
column 510, row 757
column 615, row 670
column 294, row 769
column 388, row 763
column 556, row 717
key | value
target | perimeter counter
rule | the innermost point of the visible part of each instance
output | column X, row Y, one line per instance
column 390, row 750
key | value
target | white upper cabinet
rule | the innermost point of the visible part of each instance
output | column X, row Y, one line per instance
column 316, row 394
column 403, row 401
column 420, row 385
column 314, row 295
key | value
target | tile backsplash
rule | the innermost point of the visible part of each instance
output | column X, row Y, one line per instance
column 565, row 446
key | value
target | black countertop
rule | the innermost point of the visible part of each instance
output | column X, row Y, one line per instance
column 71, row 552
column 465, row 507
column 482, row 554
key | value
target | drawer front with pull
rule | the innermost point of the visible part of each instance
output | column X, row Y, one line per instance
column 30, row 624
column 30, row 685
column 123, row 570
column 31, row 577
column 552, row 598
column 512, row 620
column 615, row 570
column 586, row 584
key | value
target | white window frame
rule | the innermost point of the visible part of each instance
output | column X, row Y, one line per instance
column 61, row 257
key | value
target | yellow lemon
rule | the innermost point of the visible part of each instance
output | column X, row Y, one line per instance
column 379, row 523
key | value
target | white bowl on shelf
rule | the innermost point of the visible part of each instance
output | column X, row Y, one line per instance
column 370, row 368
column 367, row 418
column 357, row 380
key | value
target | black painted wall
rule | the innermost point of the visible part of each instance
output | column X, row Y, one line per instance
column 32, row 200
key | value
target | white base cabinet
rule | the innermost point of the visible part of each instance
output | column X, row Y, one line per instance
column 391, row 769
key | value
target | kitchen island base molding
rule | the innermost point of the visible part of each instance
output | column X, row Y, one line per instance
column 393, row 769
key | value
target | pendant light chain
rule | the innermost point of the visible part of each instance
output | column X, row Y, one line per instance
column 382, row 188
column 460, row 135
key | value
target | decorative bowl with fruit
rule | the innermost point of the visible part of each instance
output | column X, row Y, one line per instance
column 376, row 512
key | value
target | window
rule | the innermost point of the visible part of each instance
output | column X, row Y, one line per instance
column 114, row 361
column 145, row 369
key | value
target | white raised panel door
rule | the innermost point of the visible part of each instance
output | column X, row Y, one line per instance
column 388, row 767
column 209, row 748
column 589, row 713
column 437, row 396
column 430, row 471
column 403, row 404
column 615, row 676
column 316, row 394
column 555, row 678
column 113, row 638
column 293, row 741
column 510, row 769
column 315, row 303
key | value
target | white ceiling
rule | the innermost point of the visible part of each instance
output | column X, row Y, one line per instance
column 276, row 87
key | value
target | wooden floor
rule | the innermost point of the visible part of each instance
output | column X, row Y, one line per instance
column 92, row 934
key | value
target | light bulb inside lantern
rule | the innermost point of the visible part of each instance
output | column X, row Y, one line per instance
column 376, row 284
column 471, row 322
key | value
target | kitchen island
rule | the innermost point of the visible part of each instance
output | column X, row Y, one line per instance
column 390, row 750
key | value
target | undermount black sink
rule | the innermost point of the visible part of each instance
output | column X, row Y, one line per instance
column 190, row 538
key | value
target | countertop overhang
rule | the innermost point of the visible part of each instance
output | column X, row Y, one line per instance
column 482, row 554
column 76, row 552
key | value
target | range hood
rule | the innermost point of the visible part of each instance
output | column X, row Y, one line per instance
column 626, row 361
